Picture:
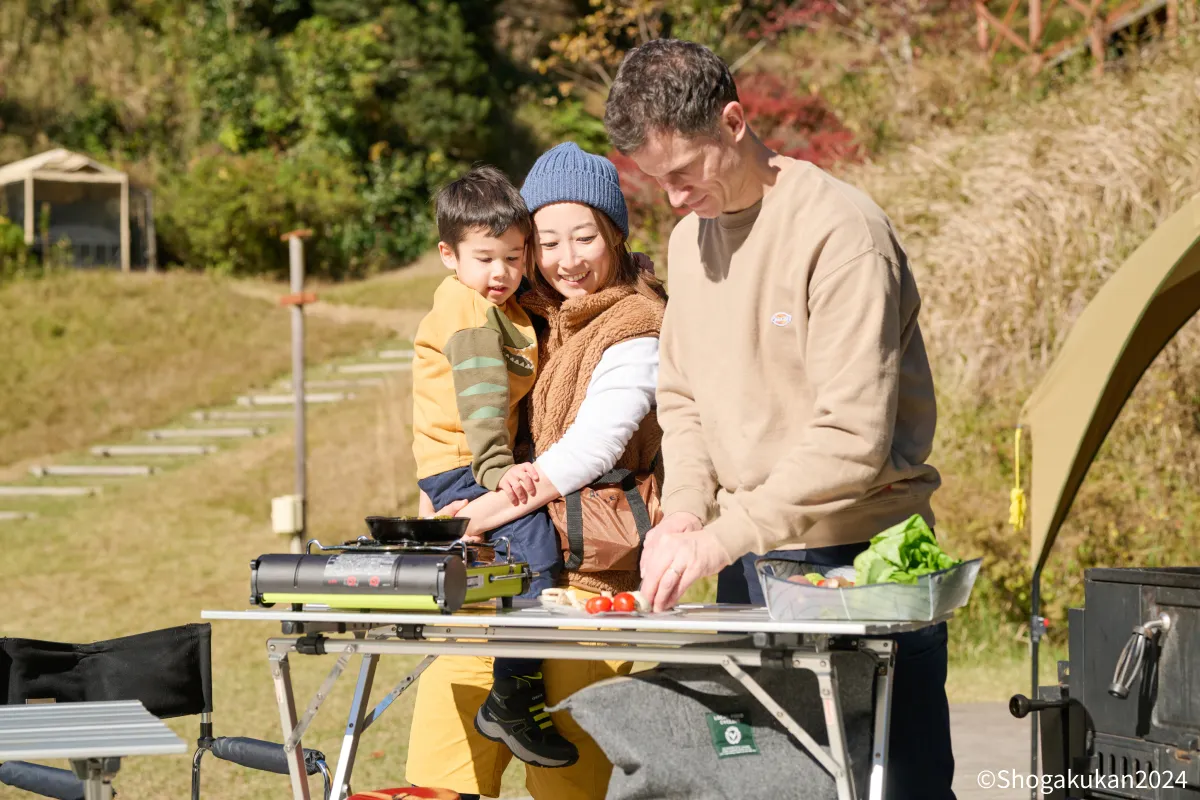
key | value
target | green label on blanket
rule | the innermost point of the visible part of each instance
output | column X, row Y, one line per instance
column 730, row 736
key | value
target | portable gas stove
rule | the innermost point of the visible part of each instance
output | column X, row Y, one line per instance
column 406, row 564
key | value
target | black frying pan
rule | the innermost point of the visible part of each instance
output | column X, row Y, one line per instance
column 415, row 529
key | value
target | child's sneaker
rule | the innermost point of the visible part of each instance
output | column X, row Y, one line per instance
column 515, row 714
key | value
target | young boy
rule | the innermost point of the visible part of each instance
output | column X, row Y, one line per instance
column 475, row 359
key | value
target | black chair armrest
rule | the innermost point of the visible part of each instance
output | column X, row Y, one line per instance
column 260, row 755
column 60, row 784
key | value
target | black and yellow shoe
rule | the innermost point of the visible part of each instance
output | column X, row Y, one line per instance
column 515, row 714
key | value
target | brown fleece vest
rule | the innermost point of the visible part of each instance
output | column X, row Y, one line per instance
column 577, row 332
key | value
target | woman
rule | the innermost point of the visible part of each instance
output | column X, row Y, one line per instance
column 590, row 411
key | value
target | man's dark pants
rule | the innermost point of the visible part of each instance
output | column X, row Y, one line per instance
column 920, row 760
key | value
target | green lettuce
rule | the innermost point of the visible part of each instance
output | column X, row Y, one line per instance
column 901, row 554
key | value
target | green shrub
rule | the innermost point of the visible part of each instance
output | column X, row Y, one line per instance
column 396, row 222
column 569, row 120
column 14, row 255
column 227, row 212
column 380, row 103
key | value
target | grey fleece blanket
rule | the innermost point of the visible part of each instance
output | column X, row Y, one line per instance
column 695, row 733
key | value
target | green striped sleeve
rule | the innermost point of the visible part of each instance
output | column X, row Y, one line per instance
column 476, row 358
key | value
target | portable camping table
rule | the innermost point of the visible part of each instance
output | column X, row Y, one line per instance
column 94, row 737
column 733, row 637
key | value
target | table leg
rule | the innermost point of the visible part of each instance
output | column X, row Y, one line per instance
column 314, row 706
column 97, row 789
column 97, row 775
column 354, row 727
column 281, row 674
column 387, row 701
column 833, row 767
column 832, row 703
column 884, row 676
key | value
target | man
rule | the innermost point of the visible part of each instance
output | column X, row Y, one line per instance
column 795, row 396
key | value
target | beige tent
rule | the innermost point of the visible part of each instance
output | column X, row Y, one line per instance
column 91, row 205
column 1111, row 345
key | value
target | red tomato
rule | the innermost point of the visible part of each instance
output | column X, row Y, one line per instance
column 598, row 605
column 624, row 602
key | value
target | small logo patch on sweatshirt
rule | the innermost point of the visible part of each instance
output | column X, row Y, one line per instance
column 781, row 318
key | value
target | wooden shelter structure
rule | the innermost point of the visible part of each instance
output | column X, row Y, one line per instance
column 91, row 205
column 1024, row 24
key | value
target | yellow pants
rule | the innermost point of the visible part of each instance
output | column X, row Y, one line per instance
column 445, row 751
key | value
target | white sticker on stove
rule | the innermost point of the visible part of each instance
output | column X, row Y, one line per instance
column 357, row 569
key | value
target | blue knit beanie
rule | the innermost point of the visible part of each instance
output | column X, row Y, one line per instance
column 566, row 174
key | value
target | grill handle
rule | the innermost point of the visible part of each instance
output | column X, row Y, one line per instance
column 1019, row 705
column 1133, row 655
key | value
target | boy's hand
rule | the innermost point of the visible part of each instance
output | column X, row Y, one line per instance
column 452, row 510
column 424, row 506
column 518, row 483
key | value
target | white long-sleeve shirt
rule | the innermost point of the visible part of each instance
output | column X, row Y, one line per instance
column 619, row 395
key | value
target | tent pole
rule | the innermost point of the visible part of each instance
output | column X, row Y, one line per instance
column 1036, row 624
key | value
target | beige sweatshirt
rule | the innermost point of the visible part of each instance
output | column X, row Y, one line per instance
column 794, row 394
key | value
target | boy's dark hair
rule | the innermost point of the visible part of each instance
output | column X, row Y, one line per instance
column 483, row 199
column 667, row 85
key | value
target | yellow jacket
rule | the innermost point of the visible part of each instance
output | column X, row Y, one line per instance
column 473, row 362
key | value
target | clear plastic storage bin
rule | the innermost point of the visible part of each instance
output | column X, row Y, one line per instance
column 932, row 596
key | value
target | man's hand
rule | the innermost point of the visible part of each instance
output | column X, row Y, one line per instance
column 677, row 553
column 518, row 482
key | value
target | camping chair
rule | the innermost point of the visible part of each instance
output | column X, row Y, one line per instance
column 169, row 671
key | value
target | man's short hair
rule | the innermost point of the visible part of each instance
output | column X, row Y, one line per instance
column 667, row 85
column 483, row 199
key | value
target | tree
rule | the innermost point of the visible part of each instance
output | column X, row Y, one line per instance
column 588, row 55
column 399, row 94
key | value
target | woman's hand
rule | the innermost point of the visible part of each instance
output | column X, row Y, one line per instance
column 519, row 483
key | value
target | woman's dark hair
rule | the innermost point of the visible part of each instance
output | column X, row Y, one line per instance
column 624, row 269
column 667, row 85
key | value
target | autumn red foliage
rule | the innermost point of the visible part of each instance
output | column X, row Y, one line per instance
column 797, row 125
column 786, row 16
column 884, row 19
